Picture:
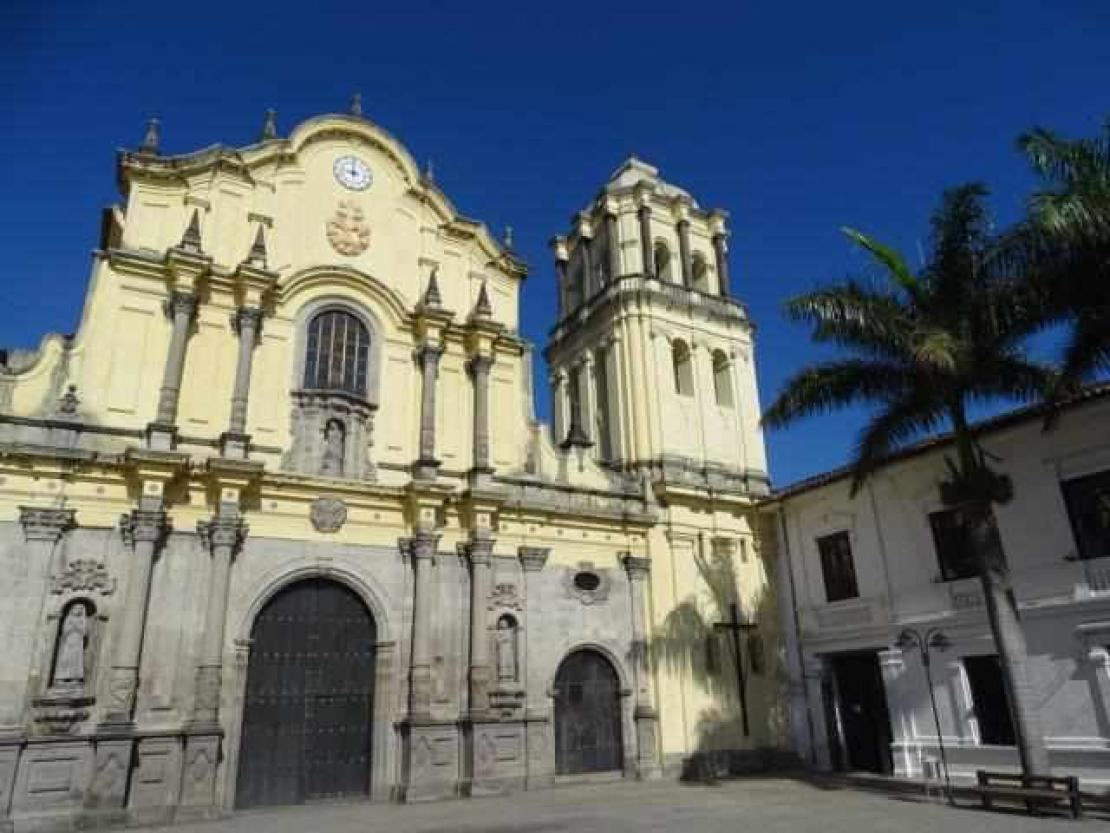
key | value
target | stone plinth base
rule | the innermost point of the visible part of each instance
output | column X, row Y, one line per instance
column 431, row 760
column 498, row 763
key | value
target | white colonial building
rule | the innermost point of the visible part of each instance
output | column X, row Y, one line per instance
column 863, row 569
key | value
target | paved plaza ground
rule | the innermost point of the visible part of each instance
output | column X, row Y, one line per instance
column 762, row 805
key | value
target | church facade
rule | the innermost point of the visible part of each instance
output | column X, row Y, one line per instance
column 279, row 523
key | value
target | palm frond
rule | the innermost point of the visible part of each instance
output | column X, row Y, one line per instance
column 854, row 316
column 906, row 419
column 887, row 257
column 833, row 385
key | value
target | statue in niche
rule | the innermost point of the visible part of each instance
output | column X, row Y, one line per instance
column 505, row 640
column 335, row 442
column 73, row 641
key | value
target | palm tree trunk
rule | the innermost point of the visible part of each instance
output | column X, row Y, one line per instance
column 1001, row 604
column 1009, row 640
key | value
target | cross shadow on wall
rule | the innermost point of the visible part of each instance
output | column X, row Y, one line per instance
column 689, row 648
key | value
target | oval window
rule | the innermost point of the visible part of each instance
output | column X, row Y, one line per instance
column 587, row 581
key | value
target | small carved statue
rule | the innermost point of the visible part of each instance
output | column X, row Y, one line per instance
column 335, row 442
column 69, row 665
column 505, row 639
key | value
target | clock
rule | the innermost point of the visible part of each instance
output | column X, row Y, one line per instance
column 352, row 173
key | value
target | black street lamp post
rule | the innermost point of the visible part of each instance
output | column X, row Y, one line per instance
column 931, row 640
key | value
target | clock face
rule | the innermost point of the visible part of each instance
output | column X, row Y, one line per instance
column 351, row 172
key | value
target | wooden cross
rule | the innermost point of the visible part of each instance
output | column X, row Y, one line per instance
column 736, row 626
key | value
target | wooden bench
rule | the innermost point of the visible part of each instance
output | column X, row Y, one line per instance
column 1030, row 790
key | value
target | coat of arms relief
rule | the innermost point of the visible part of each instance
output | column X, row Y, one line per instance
column 347, row 230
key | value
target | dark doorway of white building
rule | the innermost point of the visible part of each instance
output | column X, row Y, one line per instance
column 587, row 715
column 307, row 713
column 863, row 735
column 988, row 698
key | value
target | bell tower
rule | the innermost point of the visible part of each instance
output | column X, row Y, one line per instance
column 652, row 357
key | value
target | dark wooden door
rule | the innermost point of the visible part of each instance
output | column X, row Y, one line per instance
column 310, row 685
column 587, row 715
column 861, row 706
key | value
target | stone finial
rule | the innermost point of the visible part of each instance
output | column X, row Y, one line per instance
column 269, row 126
column 429, row 171
column 482, row 308
column 507, row 241
column 152, row 139
column 432, row 298
column 257, row 255
column 190, row 240
column 356, row 104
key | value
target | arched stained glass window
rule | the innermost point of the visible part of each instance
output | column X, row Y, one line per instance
column 337, row 353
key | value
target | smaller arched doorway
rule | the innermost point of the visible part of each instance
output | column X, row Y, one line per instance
column 308, row 706
column 587, row 715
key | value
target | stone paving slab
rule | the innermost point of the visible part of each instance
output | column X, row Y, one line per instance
column 761, row 805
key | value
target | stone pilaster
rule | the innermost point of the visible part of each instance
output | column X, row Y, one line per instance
column 222, row 537
column 643, row 213
column 577, row 392
column 247, row 322
column 144, row 530
column 180, row 308
column 423, row 552
column 684, row 255
column 647, row 743
column 720, row 253
column 537, row 712
column 479, row 367
column 585, row 250
column 479, row 551
column 613, row 243
column 427, row 357
column 43, row 528
column 562, row 289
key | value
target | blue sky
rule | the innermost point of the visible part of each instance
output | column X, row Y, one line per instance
column 797, row 117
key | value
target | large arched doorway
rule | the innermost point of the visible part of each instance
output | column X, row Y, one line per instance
column 587, row 715
column 310, row 686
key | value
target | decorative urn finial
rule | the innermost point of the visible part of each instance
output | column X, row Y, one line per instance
column 152, row 139
column 190, row 240
column 356, row 104
column 269, row 126
column 432, row 297
column 482, row 308
column 257, row 255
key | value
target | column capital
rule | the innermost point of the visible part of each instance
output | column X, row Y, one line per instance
column 637, row 566
column 180, row 303
column 249, row 318
column 533, row 559
column 478, row 550
column 144, row 525
column 424, row 543
column 46, row 524
column 429, row 352
column 223, row 532
column 480, row 364
column 584, row 227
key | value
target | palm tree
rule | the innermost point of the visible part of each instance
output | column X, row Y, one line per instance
column 923, row 347
column 1067, row 244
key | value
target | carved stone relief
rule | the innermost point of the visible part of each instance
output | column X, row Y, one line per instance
column 328, row 514
column 347, row 230
column 83, row 575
